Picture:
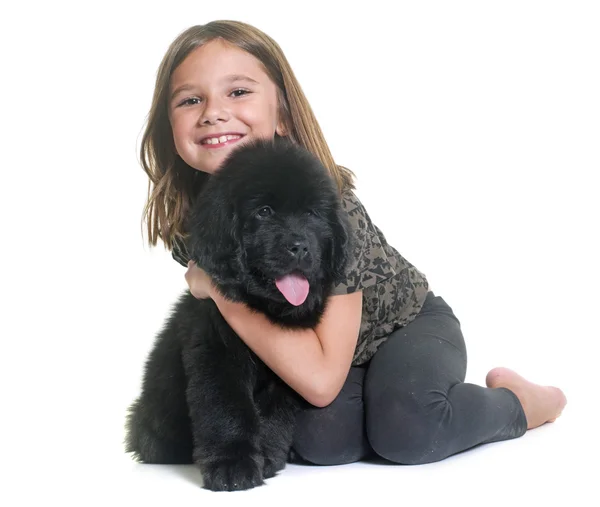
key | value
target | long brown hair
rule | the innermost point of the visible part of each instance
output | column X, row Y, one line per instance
column 173, row 183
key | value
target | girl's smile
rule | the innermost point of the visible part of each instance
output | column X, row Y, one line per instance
column 216, row 141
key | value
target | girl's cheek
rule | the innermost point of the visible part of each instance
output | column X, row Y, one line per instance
column 180, row 125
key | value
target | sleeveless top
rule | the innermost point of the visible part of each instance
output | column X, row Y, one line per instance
column 394, row 291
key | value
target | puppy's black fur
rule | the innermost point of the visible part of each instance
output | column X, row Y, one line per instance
column 206, row 398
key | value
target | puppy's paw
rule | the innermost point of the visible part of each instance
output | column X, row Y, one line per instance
column 234, row 474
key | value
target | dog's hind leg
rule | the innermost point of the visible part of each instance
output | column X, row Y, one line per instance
column 158, row 427
column 155, row 439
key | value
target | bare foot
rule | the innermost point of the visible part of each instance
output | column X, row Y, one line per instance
column 541, row 404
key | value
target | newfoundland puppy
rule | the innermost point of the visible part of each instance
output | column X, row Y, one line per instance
column 269, row 229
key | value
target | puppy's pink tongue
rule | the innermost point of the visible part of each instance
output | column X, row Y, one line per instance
column 294, row 287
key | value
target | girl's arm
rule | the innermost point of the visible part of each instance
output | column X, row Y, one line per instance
column 315, row 363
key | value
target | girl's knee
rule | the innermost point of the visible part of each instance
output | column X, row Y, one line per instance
column 408, row 445
column 329, row 445
column 328, row 453
column 333, row 435
column 407, row 433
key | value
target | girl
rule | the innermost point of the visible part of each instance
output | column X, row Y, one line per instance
column 384, row 371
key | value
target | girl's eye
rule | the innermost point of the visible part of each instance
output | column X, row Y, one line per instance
column 192, row 101
column 240, row 92
column 264, row 212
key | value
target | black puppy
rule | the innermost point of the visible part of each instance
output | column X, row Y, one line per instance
column 270, row 231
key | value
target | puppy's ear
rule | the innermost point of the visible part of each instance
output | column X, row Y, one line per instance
column 214, row 238
column 341, row 243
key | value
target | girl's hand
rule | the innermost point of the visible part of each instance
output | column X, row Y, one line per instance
column 200, row 283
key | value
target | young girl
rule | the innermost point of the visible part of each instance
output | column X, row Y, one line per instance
column 384, row 371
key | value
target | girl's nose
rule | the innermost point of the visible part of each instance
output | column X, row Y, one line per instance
column 213, row 112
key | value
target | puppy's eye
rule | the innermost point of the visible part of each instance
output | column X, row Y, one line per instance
column 264, row 212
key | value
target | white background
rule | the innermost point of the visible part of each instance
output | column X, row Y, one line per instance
column 473, row 129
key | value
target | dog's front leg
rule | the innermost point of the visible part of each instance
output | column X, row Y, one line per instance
column 225, row 420
column 278, row 406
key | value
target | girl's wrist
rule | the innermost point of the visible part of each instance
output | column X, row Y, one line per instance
column 215, row 294
column 212, row 291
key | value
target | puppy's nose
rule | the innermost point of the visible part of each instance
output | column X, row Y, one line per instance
column 298, row 248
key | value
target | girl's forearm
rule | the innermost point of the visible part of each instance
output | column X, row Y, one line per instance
column 296, row 356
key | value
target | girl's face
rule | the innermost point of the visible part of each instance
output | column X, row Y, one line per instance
column 220, row 96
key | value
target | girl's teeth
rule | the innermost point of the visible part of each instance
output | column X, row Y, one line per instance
column 222, row 139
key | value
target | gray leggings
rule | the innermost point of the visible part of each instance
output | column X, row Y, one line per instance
column 409, row 404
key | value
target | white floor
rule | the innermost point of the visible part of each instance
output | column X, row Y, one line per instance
column 546, row 466
column 540, row 468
